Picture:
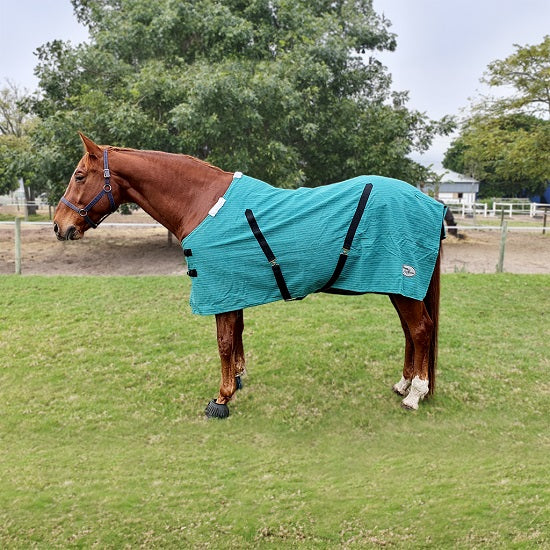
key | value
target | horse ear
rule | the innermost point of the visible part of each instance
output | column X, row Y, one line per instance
column 91, row 147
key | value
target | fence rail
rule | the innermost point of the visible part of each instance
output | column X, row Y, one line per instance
column 158, row 225
column 499, row 208
column 513, row 208
column 103, row 224
column 465, row 209
column 14, row 202
column 504, row 229
column 530, row 228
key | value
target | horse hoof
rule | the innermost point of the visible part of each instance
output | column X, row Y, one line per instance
column 402, row 387
column 239, row 382
column 408, row 407
column 417, row 391
column 216, row 410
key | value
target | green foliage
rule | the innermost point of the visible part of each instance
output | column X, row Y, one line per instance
column 276, row 89
column 527, row 71
column 8, row 176
column 507, row 141
column 18, row 160
column 509, row 152
column 16, row 151
column 104, row 443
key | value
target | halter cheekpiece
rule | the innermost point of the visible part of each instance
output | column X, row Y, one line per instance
column 107, row 190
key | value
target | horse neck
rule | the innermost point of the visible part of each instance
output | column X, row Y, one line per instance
column 175, row 190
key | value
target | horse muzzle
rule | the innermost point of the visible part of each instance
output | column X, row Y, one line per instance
column 70, row 234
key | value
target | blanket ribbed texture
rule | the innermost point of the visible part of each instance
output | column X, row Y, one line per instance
column 394, row 249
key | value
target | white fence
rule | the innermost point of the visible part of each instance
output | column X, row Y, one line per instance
column 510, row 208
column 499, row 208
column 469, row 209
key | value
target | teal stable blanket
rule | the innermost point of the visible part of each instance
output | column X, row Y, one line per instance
column 393, row 252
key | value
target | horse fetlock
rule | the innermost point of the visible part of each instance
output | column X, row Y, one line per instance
column 240, row 369
column 402, row 387
column 417, row 391
column 227, row 393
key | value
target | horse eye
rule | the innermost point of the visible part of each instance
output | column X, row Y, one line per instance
column 79, row 177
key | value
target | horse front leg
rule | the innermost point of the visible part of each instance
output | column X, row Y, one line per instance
column 229, row 328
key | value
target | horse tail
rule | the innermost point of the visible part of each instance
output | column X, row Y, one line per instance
column 431, row 301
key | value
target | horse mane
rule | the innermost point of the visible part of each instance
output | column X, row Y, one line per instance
column 148, row 152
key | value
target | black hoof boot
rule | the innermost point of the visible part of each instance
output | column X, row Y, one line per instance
column 215, row 410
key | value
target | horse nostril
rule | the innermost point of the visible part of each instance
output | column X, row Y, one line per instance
column 56, row 229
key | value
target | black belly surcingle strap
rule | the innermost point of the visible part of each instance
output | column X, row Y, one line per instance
column 277, row 272
column 349, row 237
column 268, row 254
column 187, row 252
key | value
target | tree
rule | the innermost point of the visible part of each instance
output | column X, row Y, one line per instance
column 16, row 154
column 505, row 142
column 273, row 88
column 527, row 70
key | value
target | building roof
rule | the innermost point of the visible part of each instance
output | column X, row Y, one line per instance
column 455, row 187
column 448, row 176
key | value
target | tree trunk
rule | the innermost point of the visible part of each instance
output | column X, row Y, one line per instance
column 30, row 197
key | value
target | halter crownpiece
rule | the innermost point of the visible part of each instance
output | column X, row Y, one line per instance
column 107, row 190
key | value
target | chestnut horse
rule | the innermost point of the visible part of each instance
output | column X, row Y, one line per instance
column 179, row 191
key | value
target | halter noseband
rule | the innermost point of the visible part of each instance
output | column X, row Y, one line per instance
column 107, row 190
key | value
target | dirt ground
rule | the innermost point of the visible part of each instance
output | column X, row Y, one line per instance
column 147, row 251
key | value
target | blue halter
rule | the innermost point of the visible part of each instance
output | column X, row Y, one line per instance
column 107, row 190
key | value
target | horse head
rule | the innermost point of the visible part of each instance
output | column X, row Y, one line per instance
column 89, row 197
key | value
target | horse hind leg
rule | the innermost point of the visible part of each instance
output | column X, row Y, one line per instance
column 418, row 328
column 402, row 387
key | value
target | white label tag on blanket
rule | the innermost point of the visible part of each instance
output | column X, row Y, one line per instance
column 216, row 208
column 237, row 175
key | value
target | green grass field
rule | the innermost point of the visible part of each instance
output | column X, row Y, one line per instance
column 103, row 442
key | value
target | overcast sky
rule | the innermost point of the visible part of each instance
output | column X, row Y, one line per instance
column 443, row 46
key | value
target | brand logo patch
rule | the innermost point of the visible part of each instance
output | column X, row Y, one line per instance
column 409, row 271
